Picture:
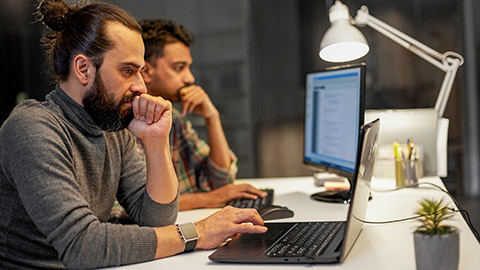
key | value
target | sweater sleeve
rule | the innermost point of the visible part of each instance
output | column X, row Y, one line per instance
column 37, row 160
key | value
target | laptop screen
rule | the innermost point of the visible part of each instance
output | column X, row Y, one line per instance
column 361, row 188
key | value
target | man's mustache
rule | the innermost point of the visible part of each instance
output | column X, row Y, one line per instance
column 128, row 98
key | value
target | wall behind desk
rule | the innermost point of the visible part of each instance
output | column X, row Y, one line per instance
column 252, row 57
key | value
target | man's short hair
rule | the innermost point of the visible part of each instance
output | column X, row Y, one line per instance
column 157, row 33
column 78, row 29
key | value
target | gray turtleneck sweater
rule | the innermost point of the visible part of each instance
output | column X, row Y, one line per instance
column 59, row 176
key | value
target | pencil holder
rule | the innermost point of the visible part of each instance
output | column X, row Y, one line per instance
column 411, row 176
column 407, row 172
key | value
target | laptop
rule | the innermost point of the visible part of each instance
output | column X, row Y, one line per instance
column 311, row 242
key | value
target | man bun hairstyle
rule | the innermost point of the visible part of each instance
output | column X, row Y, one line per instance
column 78, row 29
column 54, row 14
column 157, row 33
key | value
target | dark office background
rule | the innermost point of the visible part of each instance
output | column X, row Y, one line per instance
column 252, row 56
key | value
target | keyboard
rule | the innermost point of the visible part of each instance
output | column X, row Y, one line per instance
column 305, row 239
column 253, row 203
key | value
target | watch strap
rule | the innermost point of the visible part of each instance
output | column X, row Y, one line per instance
column 190, row 245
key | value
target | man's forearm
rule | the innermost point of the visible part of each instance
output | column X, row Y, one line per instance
column 152, row 124
column 162, row 183
column 168, row 241
column 219, row 149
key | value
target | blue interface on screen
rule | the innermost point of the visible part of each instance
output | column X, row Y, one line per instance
column 332, row 108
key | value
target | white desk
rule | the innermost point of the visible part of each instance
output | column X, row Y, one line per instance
column 387, row 246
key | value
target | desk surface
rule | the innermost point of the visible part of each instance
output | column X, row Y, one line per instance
column 388, row 246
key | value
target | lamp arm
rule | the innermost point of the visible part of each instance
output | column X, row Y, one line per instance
column 446, row 88
column 448, row 62
column 364, row 18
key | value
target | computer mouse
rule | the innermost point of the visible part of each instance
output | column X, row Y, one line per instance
column 274, row 212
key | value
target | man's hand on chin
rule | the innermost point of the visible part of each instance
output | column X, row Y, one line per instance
column 152, row 117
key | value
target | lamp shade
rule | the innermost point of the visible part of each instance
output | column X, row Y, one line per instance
column 343, row 42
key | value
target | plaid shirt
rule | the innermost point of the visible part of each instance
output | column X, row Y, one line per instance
column 196, row 172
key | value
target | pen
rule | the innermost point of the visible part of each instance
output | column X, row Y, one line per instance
column 413, row 152
column 410, row 148
column 397, row 151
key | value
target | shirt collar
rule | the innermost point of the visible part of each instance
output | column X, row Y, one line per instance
column 74, row 112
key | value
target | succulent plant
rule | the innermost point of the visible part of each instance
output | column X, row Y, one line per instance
column 433, row 213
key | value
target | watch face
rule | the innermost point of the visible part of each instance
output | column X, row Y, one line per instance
column 188, row 230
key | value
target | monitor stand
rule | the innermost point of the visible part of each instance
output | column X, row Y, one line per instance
column 335, row 196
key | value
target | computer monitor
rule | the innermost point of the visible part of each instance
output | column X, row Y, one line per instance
column 334, row 113
column 423, row 127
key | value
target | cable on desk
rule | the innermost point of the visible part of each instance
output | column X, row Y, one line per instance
column 462, row 212
column 402, row 219
column 387, row 221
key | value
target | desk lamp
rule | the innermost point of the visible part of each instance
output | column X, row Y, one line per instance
column 343, row 42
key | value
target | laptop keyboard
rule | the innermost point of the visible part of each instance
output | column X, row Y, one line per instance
column 253, row 203
column 305, row 239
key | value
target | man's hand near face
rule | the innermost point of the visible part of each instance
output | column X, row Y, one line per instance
column 195, row 99
column 152, row 117
column 152, row 123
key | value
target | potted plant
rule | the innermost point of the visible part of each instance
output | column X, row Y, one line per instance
column 436, row 244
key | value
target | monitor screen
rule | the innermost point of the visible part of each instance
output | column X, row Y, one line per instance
column 334, row 112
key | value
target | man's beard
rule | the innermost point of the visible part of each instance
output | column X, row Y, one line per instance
column 103, row 109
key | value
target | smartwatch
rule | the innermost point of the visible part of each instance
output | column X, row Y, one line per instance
column 189, row 234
